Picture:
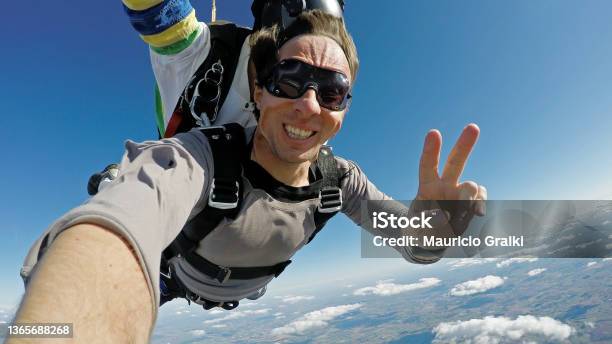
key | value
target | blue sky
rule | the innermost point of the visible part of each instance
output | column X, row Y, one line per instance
column 535, row 76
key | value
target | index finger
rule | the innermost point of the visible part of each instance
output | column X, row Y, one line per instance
column 459, row 154
column 430, row 158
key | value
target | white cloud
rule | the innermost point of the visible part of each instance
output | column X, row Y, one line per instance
column 606, row 259
column 295, row 299
column 515, row 260
column 215, row 311
column 589, row 264
column 476, row 286
column 197, row 333
column 238, row 314
column 278, row 314
column 386, row 288
column 463, row 262
column 219, row 326
column 249, row 304
column 536, row 272
column 494, row 330
column 314, row 319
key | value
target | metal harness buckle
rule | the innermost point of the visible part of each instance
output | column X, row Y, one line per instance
column 212, row 81
column 330, row 199
column 224, row 190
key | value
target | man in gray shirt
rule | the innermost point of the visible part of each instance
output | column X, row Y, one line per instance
column 101, row 264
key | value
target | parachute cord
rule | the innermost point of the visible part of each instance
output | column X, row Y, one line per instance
column 213, row 15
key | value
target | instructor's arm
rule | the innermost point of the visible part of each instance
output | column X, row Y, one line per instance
column 90, row 277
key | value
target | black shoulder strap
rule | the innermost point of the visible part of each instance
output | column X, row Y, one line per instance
column 228, row 146
column 210, row 84
column 330, row 194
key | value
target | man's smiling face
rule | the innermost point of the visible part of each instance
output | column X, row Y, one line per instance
column 293, row 130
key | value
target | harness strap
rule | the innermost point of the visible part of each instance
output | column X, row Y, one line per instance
column 224, row 201
column 331, row 194
column 225, row 195
column 171, row 288
column 222, row 273
column 226, row 42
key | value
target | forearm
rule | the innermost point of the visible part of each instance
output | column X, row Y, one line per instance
column 90, row 277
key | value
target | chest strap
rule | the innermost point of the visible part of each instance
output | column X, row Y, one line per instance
column 222, row 273
column 227, row 144
column 330, row 195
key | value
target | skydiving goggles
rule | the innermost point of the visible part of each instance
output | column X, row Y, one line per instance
column 292, row 78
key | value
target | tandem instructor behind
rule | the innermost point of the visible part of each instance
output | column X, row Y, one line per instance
column 101, row 264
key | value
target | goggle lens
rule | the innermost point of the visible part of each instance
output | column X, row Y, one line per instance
column 292, row 78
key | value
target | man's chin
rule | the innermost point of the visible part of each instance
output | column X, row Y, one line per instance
column 300, row 157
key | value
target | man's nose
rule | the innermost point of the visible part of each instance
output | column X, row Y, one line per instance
column 308, row 104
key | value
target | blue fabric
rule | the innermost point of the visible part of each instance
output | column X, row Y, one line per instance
column 160, row 17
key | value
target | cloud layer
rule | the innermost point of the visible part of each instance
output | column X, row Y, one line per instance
column 314, row 319
column 463, row 262
column 510, row 261
column 476, row 286
column 294, row 298
column 495, row 330
column 198, row 333
column 536, row 272
column 238, row 314
column 387, row 288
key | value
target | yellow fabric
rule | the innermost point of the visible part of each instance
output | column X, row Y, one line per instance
column 139, row 5
column 173, row 34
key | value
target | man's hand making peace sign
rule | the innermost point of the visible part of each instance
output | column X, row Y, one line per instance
column 434, row 187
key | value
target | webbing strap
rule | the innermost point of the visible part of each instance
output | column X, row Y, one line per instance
column 227, row 144
column 226, row 42
column 222, row 273
column 331, row 195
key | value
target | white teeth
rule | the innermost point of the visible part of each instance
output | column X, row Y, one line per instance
column 297, row 133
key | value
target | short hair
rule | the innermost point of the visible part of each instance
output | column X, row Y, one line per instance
column 266, row 42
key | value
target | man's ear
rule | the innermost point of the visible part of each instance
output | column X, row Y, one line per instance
column 257, row 95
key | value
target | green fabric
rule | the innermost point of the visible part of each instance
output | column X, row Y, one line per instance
column 177, row 47
column 159, row 113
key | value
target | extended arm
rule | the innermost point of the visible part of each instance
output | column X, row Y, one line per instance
column 87, row 274
column 90, row 277
column 178, row 43
column 432, row 187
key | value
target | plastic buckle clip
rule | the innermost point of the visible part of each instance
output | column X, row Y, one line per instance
column 331, row 199
column 225, row 189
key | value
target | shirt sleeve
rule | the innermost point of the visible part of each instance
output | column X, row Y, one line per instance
column 178, row 44
column 360, row 198
column 160, row 186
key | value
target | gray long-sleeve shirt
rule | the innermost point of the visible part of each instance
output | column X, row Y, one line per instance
column 165, row 183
